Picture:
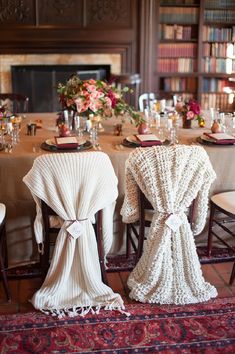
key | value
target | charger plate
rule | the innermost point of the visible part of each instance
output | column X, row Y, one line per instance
column 204, row 140
column 49, row 146
column 131, row 142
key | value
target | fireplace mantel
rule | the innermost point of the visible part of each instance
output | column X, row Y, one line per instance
column 71, row 27
column 82, row 27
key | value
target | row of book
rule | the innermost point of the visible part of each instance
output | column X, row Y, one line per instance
column 186, row 50
column 223, row 101
column 218, row 65
column 214, row 84
column 179, row 15
column 180, row 2
column 219, row 16
column 177, row 32
column 185, row 65
column 219, row 4
column 215, row 34
column 219, row 50
column 176, row 84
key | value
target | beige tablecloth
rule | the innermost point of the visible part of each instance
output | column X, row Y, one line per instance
column 21, row 207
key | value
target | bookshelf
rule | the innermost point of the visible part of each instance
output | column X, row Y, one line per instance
column 218, row 54
column 195, row 55
column 177, row 51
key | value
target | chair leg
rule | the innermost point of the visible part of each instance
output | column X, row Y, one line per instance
column 99, row 240
column 4, row 246
column 210, row 234
column 128, row 240
column 232, row 275
column 140, row 241
column 4, row 261
column 4, row 278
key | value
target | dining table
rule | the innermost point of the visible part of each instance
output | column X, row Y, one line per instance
column 14, row 165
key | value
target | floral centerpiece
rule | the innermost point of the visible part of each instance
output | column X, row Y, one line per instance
column 189, row 111
column 97, row 98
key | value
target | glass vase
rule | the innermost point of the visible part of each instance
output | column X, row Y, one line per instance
column 186, row 123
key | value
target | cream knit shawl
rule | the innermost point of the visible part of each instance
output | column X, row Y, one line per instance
column 75, row 186
column 169, row 270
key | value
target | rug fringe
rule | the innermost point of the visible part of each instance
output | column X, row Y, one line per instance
column 83, row 311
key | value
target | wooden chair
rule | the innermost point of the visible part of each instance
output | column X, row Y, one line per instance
column 15, row 102
column 146, row 100
column 222, row 213
column 3, row 251
column 49, row 240
column 131, row 80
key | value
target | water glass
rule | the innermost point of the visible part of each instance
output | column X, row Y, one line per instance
column 172, row 136
column 15, row 134
column 2, row 132
column 94, row 136
column 161, row 134
column 228, row 122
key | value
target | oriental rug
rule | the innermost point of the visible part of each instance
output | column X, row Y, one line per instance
column 206, row 328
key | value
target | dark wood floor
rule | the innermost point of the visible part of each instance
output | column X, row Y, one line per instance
column 22, row 290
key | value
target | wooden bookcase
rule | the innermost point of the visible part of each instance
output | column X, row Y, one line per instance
column 195, row 52
column 218, row 54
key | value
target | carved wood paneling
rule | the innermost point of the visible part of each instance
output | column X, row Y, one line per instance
column 72, row 26
column 17, row 12
column 60, row 12
column 108, row 13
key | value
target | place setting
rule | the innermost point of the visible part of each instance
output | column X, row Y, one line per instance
column 162, row 137
column 216, row 139
column 63, row 144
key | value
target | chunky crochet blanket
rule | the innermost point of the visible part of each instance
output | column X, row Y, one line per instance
column 169, row 270
column 75, row 186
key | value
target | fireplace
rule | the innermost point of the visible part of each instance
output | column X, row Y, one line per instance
column 39, row 82
column 46, row 94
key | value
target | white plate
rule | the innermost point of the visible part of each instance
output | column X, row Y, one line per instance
column 207, row 138
column 132, row 139
column 50, row 142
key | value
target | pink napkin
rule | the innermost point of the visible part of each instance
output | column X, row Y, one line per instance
column 147, row 140
column 221, row 138
column 64, row 143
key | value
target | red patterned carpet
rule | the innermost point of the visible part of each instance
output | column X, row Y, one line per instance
column 206, row 328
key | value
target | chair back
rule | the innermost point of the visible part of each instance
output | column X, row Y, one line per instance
column 144, row 207
column 16, row 103
column 170, row 178
column 146, row 100
column 75, row 187
column 49, row 229
column 66, row 185
column 133, row 82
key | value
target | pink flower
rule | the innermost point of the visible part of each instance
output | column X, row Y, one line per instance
column 90, row 88
column 95, row 105
column 96, row 95
column 81, row 104
column 91, row 82
column 190, row 115
column 108, row 102
column 194, row 106
column 113, row 98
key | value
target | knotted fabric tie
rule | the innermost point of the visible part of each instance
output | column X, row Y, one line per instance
column 173, row 219
column 75, row 229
